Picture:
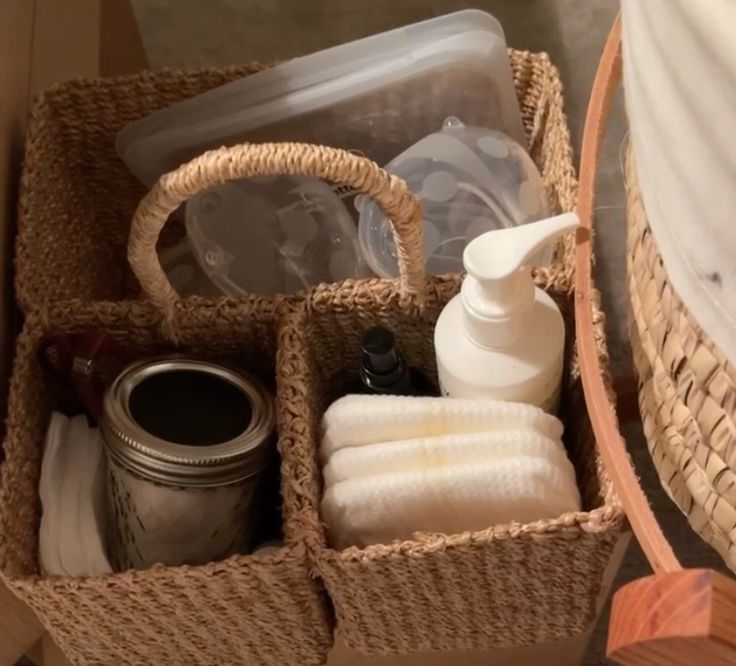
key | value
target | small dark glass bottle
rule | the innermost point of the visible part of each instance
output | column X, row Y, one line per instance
column 383, row 369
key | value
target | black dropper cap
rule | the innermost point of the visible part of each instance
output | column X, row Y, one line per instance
column 383, row 370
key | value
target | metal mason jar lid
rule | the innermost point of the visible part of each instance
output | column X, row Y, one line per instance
column 240, row 456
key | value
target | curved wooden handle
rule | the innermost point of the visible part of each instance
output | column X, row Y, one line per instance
column 603, row 419
column 242, row 161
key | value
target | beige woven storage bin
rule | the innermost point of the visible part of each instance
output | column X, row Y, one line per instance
column 687, row 389
column 77, row 202
column 507, row 585
column 259, row 610
column 265, row 610
column 77, row 197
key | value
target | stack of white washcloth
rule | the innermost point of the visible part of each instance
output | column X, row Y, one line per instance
column 72, row 490
column 394, row 466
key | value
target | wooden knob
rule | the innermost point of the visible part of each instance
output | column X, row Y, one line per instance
column 683, row 618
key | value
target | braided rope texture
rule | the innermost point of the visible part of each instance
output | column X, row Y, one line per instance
column 507, row 585
column 513, row 584
column 687, row 389
column 246, row 160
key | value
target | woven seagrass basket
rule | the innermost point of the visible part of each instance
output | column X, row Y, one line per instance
column 76, row 205
column 246, row 609
column 77, row 197
column 507, row 585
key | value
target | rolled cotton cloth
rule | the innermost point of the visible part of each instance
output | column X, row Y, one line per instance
column 450, row 499
column 356, row 420
column 428, row 452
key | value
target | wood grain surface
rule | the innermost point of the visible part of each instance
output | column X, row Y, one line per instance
column 684, row 618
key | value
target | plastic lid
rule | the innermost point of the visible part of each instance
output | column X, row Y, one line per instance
column 184, row 272
column 498, row 290
column 350, row 93
column 273, row 234
column 469, row 180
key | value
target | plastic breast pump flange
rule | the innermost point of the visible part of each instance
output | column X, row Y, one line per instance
column 273, row 234
column 469, row 180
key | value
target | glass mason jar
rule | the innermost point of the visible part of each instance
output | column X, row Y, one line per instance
column 187, row 441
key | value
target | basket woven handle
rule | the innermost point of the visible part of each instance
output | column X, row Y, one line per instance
column 605, row 426
column 245, row 160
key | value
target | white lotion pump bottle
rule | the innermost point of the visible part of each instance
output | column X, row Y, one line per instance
column 502, row 337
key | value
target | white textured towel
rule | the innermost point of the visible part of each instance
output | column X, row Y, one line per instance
column 428, row 452
column 356, row 420
column 382, row 508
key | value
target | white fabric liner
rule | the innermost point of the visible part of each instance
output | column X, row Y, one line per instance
column 680, row 85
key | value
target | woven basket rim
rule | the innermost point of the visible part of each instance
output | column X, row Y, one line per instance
column 289, row 553
column 87, row 82
column 151, row 74
column 575, row 524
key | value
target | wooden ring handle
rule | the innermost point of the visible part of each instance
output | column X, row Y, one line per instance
column 603, row 419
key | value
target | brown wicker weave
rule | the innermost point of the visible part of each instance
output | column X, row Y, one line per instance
column 217, row 166
column 77, row 197
column 687, row 390
column 246, row 609
column 286, row 618
column 507, row 585
column 529, row 583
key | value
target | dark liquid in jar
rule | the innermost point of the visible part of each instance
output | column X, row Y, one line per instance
column 191, row 408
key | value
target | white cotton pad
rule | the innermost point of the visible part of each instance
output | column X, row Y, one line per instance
column 428, row 452
column 49, row 490
column 71, row 541
column 91, row 511
column 364, row 419
column 451, row 499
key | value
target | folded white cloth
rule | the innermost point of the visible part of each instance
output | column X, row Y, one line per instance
column 72, row 491
column 356, row 420
column 428, row 452
column 449, row 499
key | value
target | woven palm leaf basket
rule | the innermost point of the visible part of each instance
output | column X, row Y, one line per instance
column 687, row 389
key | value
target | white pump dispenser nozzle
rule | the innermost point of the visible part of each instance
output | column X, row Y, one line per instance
column 502, row 337
column 498, row 289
